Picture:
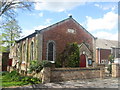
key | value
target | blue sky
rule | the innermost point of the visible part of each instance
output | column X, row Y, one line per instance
column 99, row 18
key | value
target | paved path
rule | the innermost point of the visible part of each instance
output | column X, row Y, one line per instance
column 88, row 83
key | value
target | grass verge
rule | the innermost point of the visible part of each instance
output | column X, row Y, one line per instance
column 15, row 79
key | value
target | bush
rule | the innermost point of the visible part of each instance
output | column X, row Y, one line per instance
column 13, row 76
column 69, row 57
column 31, row 80
column 110, row 68
column 37, row 66
column 4, row 73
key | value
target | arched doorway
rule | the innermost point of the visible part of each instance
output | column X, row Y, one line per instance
column 82, row 60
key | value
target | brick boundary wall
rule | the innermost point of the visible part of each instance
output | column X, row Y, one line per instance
column 65, row 74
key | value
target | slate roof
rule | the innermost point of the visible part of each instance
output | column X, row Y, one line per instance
column 106, row 44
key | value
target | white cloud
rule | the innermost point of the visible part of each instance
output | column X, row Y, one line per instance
column 28, row 32
column 1, row 19
column 75, row 0
column 32, row 14
column 113, row 8
column 56, row 6
column 97, row 5
column 40, row 14
column 47, row 21
column 107, row 22
column 106, row 35
column 106, row 7
column 40, row 27
column 69, row 14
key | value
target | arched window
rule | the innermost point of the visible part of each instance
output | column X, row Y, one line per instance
column 32, row 50
column 51, row 51
column 24, row 51
column 17, row 50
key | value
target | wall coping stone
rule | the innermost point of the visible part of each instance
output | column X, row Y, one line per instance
column 74, row 69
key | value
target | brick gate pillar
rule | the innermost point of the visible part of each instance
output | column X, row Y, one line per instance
column 115, row 70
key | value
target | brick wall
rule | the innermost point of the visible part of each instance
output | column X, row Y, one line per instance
column 60, row 35
column 115, row 70
column 63, row 74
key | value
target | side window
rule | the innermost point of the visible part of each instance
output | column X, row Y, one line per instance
column 32, row 51
column 51, row 51
column 90, row 62
column 17, row 50
column 24, row 52
column 71, row 31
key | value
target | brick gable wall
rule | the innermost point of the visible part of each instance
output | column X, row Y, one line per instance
column 60, row 35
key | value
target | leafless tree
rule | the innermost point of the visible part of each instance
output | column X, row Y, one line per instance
column 8, row 7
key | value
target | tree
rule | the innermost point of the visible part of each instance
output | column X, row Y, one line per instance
column 111, row 60
column 8, row 7
column 10, row 32
column 69, row 57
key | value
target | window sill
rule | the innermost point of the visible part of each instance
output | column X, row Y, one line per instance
column 52, row 61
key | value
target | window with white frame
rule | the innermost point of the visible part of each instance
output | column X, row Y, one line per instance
column 32, row 51
column 51, row 51
column 71, row 31
column 89, row 61
column 24, row 52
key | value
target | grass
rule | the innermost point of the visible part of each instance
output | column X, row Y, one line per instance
column 13, row 83
column 15, row 79
column 9, row 83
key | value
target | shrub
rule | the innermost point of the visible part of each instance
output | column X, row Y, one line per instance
column 37, row 66
column 110, row 68
column 4, row 73
column 13, row 76
column 69, row 57
column 31, row 80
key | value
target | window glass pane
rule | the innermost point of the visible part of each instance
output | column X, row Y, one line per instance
column 24, row 52
column 50, row 51
column 89, row 62
column 32, row 51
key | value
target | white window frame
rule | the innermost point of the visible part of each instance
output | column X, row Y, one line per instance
column 71, row 31
column 54, row 51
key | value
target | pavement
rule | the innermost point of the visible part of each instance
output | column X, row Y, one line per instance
column 86, row 83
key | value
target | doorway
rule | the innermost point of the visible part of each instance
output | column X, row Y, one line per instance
column 82, row 60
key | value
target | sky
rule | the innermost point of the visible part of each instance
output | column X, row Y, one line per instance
column 98, row 18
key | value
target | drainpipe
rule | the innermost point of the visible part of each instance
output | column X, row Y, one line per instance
column 115, row 52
